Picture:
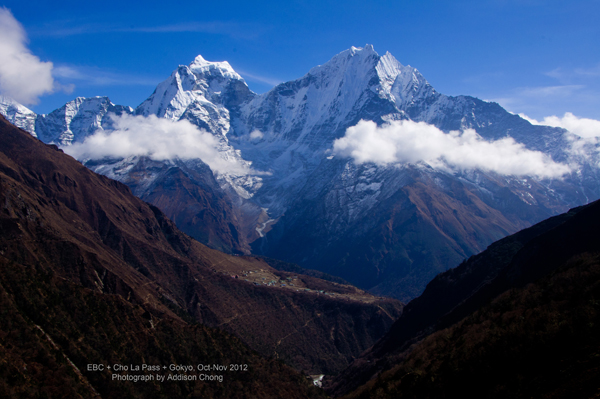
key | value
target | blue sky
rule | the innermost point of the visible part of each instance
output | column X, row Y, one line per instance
column 539, row 58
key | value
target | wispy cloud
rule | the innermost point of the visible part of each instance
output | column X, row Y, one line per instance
column 544, row 100
column 568, row 89
column 557, row 73
column 544, row 91
column 593, row 71
column 66, row 28
column 23, row 76
column 236, row 30
column 94, row 76
column 217, row 27
column 259, row 78
column 413, row 142
column 520, row 95
column 565, row 75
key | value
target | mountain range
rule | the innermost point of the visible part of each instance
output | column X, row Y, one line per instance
column 290, row 174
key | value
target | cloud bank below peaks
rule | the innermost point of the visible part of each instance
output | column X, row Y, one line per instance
column 160, row 139
column 413, row 142
column 583, row 127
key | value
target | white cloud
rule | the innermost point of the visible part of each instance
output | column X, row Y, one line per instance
column 593, row 71
column 554, row 91
column 158, row 138
column 582, row 127
column 23, row 76
column 412, row 142
column 256, row 135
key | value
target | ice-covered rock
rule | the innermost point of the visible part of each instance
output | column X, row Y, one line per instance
column 18, row 114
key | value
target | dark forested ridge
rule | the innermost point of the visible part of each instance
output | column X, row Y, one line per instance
column 542, row 340
column 562, row 250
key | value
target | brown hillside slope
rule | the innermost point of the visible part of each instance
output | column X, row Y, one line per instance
column 92, row 232
column 52, row 330
column 448, row 298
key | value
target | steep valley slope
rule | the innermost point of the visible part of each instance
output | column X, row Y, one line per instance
column 93, row 274
column 517, row 320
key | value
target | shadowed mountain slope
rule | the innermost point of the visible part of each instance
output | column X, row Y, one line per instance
column 52, row 329
column 541, row 341
column 510, row 263
column 187, row 193
column 72, row 230
column 74, row 289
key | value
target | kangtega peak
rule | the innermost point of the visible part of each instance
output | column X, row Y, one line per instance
column 386, row 227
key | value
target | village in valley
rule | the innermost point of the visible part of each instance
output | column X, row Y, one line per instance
column 300, row 283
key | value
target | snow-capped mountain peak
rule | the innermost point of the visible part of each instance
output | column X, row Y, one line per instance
column 355, row 82
column 355, row 59
column 202, row 67
column 204, row 93
column 359, row 66
column 195, row 85
column 172, row 96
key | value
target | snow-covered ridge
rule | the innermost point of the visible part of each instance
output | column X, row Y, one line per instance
column 78, row 119
column 72, row 122
column 18, row 114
